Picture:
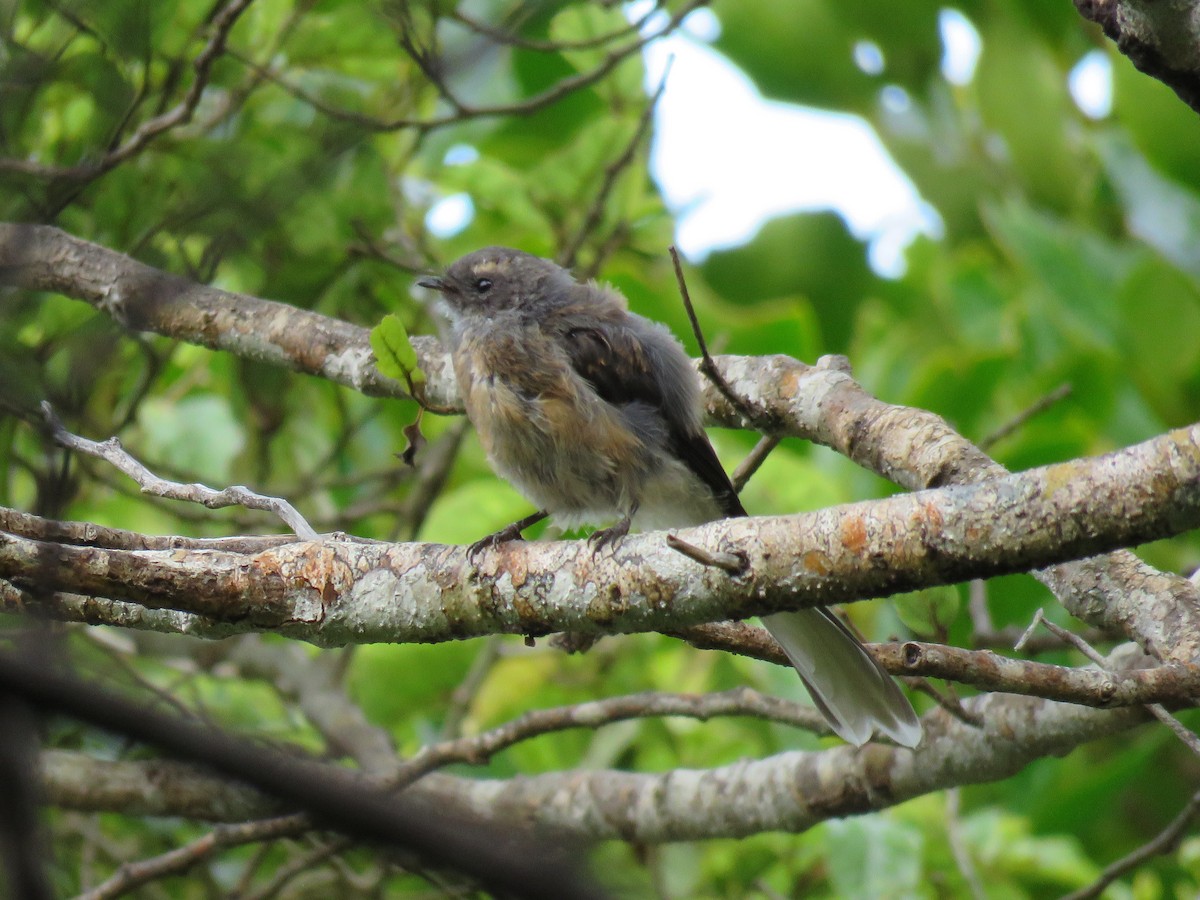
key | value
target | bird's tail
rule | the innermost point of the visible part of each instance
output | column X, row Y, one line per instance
column 849, row 687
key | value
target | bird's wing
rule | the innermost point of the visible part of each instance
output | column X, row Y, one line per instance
column 621, row 369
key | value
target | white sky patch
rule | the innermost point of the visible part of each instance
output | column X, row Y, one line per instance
column 727, row 160
column 460, row 155
column 450, row 215
column 1090, row 83
column 703, row 25
column 961, row 46
column 868, row 57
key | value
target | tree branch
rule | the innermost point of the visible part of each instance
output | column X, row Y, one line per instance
column 788, row 792
column 113, row 453
column 503, row 859
column 335, row 592
column 822, row 403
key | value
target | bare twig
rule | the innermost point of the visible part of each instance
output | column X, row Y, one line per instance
column 1165, row 841
column 466, row 691
column 130, row 876
column 754, row 460
column 958, row 846
column 512, row 39
column 297, row 866
column 612, row 172
column 87, row 534
column 112, row 451
column 180, row 114
column 977, row 606
column 1059, row 393
column 707, row 366
column 1189, row 738
column 650, row 704
column 730, row 562
column 462, row 112
column 947, row 700
column 981, row 669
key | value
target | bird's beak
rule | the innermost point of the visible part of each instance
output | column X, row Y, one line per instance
column 434, row 284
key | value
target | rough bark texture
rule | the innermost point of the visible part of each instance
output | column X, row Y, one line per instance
column 335, row 592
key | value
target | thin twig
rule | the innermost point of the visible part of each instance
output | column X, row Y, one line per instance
column 707, row 366
column 958, row 845
column 112, row 451
column 478, row 749
column 515, row 40
column 1188, row 737
column 612, row 172
column 130, row 876
column 1165, row 841
column 947, row 701
column 180, row 114
column 977, row 606
column 729, row 562
column 464, row 695
column 754, row 460
column 463, row 112
column 1059, row 393
column 297, row 866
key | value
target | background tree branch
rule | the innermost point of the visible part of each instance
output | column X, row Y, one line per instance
column 170, row 165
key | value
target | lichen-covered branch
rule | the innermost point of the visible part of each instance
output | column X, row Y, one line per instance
column 141, row 298
column 917, row 449
column 334, row 592
column 823, row 403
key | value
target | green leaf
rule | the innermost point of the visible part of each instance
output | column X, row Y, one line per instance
column 1160, row 317
column 1039, row 150
column 394, row 353
column 809, row 254
column 806, row 56
column 874, row 857
column 198, row 436
column 928, row 612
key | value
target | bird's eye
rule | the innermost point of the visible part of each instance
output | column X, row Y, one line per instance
column 483, row 285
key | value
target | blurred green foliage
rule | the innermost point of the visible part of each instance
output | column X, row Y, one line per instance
column 1069, row 256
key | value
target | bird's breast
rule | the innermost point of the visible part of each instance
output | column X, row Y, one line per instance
column 542, row 426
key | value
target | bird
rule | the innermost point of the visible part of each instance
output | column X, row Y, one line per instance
column 594, row 414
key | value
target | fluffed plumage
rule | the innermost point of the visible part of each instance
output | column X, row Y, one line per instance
column 594, row 413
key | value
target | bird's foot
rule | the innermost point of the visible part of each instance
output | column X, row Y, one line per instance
column 504, row 535
column 607, row 537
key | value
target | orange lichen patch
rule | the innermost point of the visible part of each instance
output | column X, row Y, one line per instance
column 319, row 567
column 818, row 562
column 313, row 566
column 929, row 513
column 515, row 564
column 854, row 533
column 788, row 385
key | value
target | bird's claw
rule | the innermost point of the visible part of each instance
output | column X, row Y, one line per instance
column 503, row 536
column 607, row 537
